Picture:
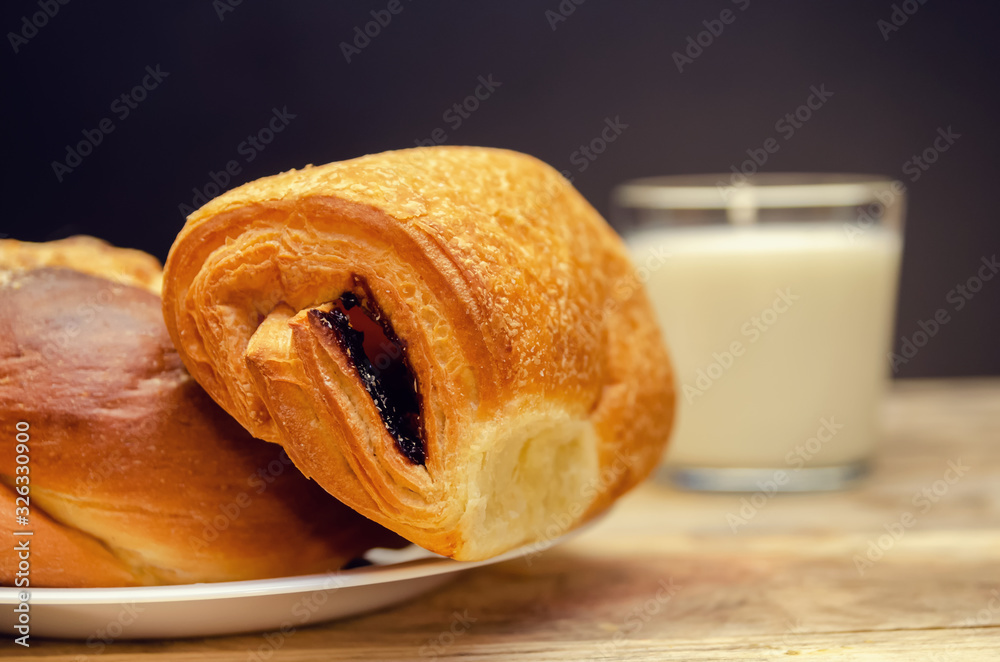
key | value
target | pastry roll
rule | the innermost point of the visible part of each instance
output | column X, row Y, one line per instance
column 450, row 340
column 134, row 476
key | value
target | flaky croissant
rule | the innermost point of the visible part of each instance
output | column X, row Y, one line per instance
column 450, row 340
column 129, row 474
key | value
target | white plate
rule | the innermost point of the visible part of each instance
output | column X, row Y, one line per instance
column 102, row 615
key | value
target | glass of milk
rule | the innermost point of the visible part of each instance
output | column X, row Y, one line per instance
column 777, row 295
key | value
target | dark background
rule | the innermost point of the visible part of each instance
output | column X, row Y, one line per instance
column 557, row 87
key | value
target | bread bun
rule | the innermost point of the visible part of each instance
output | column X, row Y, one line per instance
column 88, row 255
column 136, row 476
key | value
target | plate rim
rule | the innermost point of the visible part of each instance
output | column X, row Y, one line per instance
column 333, row 580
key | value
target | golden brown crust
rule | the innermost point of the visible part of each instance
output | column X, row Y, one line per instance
column 531, row 340
column 61, row 557
column 136, row 476
column 87, row 255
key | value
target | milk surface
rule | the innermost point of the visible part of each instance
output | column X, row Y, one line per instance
column 779, row 335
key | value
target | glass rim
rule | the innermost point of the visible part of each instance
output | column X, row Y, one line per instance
column 778, row 190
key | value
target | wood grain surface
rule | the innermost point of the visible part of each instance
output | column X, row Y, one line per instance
column 669, row 576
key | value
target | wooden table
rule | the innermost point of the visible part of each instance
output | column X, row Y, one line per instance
column 665, row 577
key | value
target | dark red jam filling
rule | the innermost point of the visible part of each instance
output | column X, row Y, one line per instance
column 365, row 335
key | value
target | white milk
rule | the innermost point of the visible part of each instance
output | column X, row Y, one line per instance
column 779, row 335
